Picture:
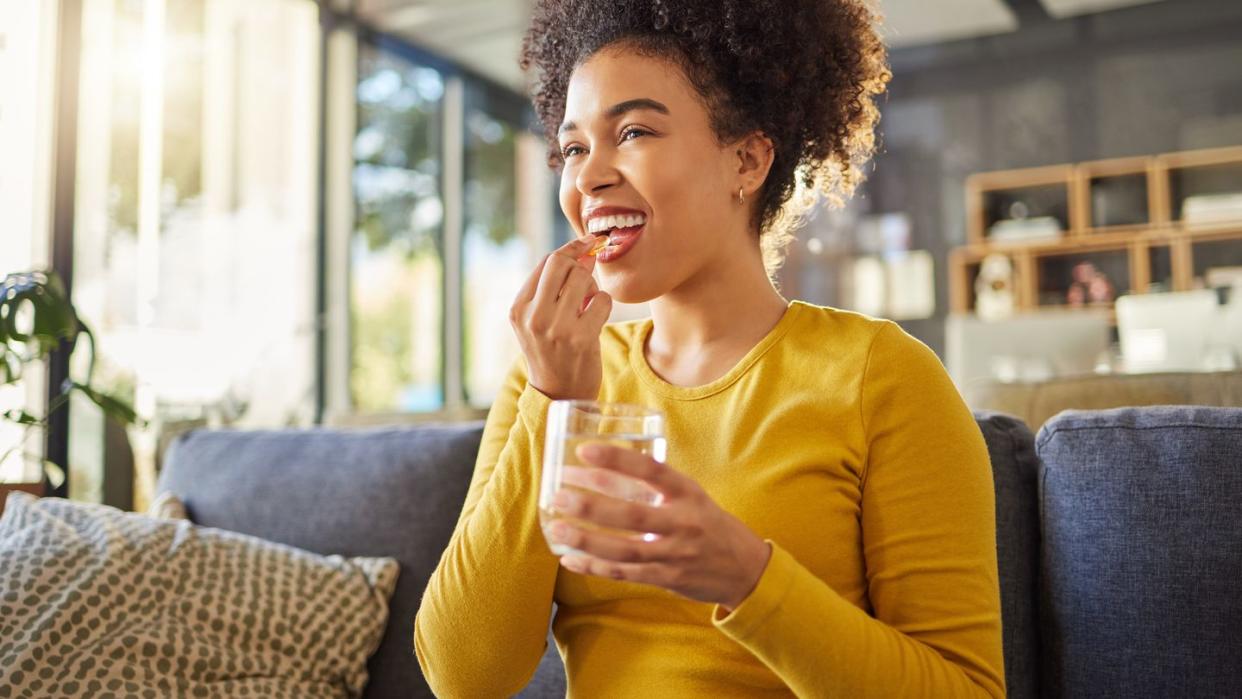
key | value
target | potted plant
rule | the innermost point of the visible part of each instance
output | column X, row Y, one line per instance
column 36, row 315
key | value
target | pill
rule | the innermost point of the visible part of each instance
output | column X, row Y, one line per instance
column 600, row 244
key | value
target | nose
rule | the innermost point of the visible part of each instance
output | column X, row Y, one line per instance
column 597, row 172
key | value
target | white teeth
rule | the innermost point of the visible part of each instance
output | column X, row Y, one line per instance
column 603, row 223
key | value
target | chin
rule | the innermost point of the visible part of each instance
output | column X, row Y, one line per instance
column 631, row 291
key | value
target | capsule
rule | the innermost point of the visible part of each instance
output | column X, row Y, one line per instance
column 600, row 243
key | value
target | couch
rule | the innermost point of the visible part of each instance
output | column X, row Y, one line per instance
column 1118, row 536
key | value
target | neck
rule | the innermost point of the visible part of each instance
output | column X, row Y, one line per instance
column 729, row 301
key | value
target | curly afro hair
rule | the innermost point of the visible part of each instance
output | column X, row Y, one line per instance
column 803, row 72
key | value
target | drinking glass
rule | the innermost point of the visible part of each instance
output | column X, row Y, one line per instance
column 574, row 422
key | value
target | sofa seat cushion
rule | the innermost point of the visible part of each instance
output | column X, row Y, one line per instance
column 1142, row 552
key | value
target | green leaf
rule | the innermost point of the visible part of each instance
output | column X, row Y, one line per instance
column 55, row 474
column 52, row 314
column 113, row 407
column 21, row 417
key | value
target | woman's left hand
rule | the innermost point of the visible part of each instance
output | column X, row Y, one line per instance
column 699, row 550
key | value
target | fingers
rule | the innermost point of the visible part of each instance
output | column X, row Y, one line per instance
column 559, row 264
column 588, row 261
column 576, row 248
column 586, row 299
column 613, row 547
column 573, row 292
column 638, row 465
column 598, row 308
column 615, row 513
column 650, row 573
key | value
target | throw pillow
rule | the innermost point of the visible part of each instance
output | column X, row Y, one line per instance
column 96, row 602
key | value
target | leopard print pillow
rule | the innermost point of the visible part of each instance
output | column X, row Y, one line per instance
column 95, row 602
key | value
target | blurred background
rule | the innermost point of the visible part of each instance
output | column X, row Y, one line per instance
column 297, row 212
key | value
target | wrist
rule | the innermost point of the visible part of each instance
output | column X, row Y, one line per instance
column 751, row 573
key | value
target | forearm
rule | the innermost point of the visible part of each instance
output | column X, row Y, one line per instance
column 482, row 625
column 821, row 645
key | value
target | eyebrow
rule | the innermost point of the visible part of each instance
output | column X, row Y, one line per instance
column 620, row 108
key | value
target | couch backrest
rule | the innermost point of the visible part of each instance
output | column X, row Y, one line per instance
column 376, row 492
column 1141, row 559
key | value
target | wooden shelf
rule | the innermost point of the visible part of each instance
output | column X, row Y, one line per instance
column 1134, row 239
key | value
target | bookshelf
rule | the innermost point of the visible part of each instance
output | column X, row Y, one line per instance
column 1128, row 217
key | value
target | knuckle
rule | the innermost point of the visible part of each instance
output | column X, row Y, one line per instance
column 691, row 529
column 675, row 576
column 636, row 515
column 585, row 508
column 685, row 552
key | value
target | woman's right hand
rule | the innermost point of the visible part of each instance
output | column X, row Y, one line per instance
column 557, row 316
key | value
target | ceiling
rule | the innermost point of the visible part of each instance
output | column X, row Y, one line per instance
column 486, row 35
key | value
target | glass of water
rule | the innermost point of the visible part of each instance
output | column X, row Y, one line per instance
column 575, row 422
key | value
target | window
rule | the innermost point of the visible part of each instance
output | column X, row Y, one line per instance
column 27, row 53
column 497, row 253
column 195, row 222
column 446, row 179
column 396, row 256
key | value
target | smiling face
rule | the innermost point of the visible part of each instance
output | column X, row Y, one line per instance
column 638, row 147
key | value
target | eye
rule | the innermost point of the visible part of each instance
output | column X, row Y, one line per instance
column 570, row 150
column 633, row 131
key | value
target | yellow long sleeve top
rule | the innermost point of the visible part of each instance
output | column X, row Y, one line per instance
column 839, row 439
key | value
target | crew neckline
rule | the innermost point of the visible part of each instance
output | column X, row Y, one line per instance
column 638, row 359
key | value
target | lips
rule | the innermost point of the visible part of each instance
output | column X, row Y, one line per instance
column 620, row 241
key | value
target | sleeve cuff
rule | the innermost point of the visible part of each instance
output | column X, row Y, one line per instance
column 773, row 586
column 532, row 406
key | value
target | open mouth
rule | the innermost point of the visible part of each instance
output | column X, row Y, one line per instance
column 613, row 232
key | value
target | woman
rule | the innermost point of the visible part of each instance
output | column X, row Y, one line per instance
column 828, row 524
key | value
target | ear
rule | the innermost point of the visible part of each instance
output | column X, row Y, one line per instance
column 754, row 153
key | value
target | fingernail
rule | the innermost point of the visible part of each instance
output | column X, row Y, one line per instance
column 564, row 498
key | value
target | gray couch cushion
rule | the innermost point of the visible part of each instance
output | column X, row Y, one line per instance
column 1142, row 552
column 376, row 492
column 549, row 680
column 1011, row 446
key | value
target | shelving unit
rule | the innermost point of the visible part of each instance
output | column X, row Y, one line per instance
column 1124, row 215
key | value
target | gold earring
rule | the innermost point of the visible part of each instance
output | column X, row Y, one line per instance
column 741, row 196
